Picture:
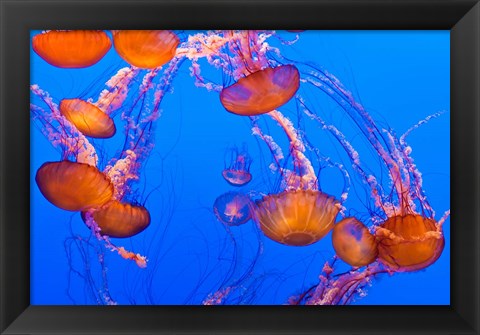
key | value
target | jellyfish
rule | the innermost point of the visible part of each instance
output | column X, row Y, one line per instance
column 92, row 118
column 60, row 131
column 298, row 217
column 409, row 243
column 301, row 214
column 71, row 48
column 232, row 208
column 116, row 219
column 261, row 91
column 73, row 186
column 237, row 173
column 353, row 243
column 146, row 49
column 88, row 118
column 261, row 83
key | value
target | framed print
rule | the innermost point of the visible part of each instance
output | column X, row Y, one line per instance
column 225, row 167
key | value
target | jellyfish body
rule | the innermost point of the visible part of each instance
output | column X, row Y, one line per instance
column 71, row 48
column 298, row 217
column 73, row 186
column 233, row 208
column 116, row 219
column 236, row 177
column 261, row 91
column 87, row 118
column 409, row 243
column 353, row 243
column 237, row 173
column 145, row 49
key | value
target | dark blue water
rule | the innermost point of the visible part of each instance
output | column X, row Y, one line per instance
column 400, row 77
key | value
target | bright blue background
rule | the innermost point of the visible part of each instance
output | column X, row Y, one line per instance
column 400, row 77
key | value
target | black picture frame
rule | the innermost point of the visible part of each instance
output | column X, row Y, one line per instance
column 18, row 17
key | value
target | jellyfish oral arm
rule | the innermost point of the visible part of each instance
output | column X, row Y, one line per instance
column 111, row 99
column 121, row 172
column 301, row 162
column 65, row 135
column 140, row 260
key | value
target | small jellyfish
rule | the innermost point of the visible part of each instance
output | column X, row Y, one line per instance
column 116, row 219
column 353, row 243
column 73, row 186
column 233, row 208
column 89, row 119
column 409, row 243
column 146, row 49
column 261, row 91
column 237, row 173
column 296, row 217
column 71, row 48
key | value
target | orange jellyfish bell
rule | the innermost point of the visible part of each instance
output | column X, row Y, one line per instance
column 117, row 219
column 73, row 186
column 261, row 91
column 71, row 48
column 145, row 49
column 88, row 118
column 409, row 243
column 353, row 243
column 296, row 218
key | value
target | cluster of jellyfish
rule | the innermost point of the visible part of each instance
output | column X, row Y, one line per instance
column 402, row 234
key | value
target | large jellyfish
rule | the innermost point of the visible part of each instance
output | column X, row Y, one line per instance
column 71, row 48
column 410, row 242
column 145, row 49
column 88, row 118
column 261, row 91
column 117, row 219
column 261, row 84
column 73, row 186
column 301, row 214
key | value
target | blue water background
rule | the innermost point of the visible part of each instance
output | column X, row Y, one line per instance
column 400, row 77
